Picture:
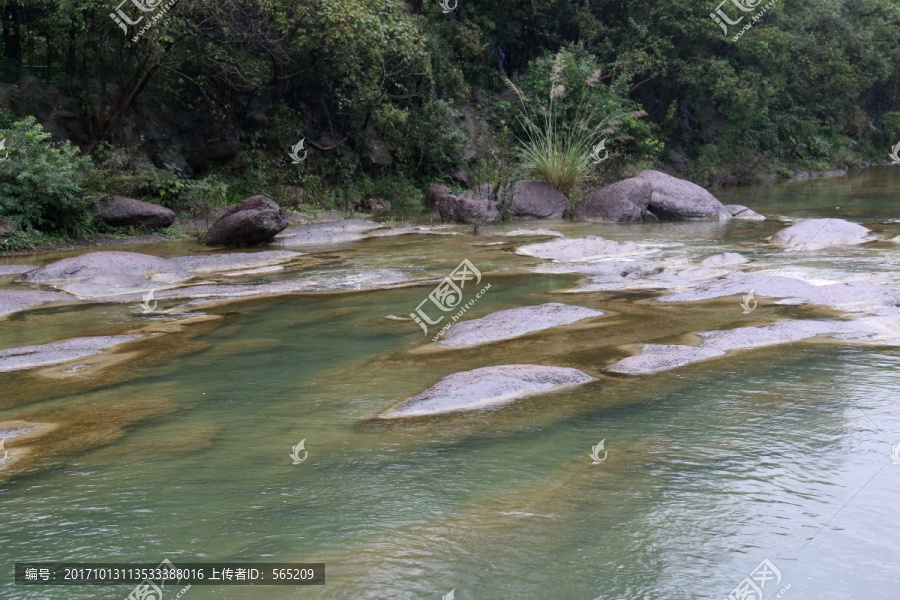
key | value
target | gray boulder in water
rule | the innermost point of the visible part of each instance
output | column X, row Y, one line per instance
column 816, row 234
column 471, row 206
column 674, row 198
column 486, row 387
column 626, row 200
column 253, row 221
column 741, row 212
column 118, row 211
column 651, row 195
column 538, row 200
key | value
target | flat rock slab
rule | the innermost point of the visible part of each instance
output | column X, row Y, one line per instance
column 30, row 357
column 232, row 261
column 488, row 386
column 15, row 300
column 658, row 357
column 581, row 249
column 506, row 324
column 816, row 234
column 16, row 269
column 724, row 260
column 550, row 232
column 857, row 295
column 325, row 234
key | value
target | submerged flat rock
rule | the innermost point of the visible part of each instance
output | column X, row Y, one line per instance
column 16, row 269
column 817, row 234
column 506, row 324
column 29, row 357
column 325, row 234
column 581, row 249
column 520, row 232
column 233, row 261
column 857, row 295
column 488, row 386
column 15, row 300
column 655, row 358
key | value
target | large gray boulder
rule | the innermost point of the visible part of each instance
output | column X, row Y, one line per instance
column 253, row 221
column 470, row 206
column 626, row 200
column 651, row 195
column 816, row 234
column 436, row 192
column 118, row 211
column 486, row 387
column 674, row 198
column 7, row 230
column 513, row 322
column 538, row 200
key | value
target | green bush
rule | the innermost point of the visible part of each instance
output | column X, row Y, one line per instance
column 41, row 182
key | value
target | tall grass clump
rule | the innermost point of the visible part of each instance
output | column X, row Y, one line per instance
column 569, row 113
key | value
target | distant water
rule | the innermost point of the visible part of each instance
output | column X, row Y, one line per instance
column 182, row 452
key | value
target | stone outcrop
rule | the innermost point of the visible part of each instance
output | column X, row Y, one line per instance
column 488, row 387
column 251, row 222
column 118, row 211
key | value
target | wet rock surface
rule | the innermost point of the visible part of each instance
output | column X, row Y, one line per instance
column 674, row 198
column 514, row 322
column 818, row 234
column 486, row 387
column 12, row 301
column 739, row 211
column 326, row 234
column 626, row 200
column 29, row 357
column 655, row 358
column 581, row 249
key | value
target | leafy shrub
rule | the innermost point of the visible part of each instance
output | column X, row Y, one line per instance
column 41, row 183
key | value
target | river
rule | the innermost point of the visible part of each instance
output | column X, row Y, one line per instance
column 181, row 449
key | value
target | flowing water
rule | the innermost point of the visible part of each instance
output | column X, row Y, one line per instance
column 179, row 449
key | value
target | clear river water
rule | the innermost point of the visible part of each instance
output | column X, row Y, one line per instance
column 180, row 448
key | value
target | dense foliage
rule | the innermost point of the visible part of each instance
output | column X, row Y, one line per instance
column 378, row 87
